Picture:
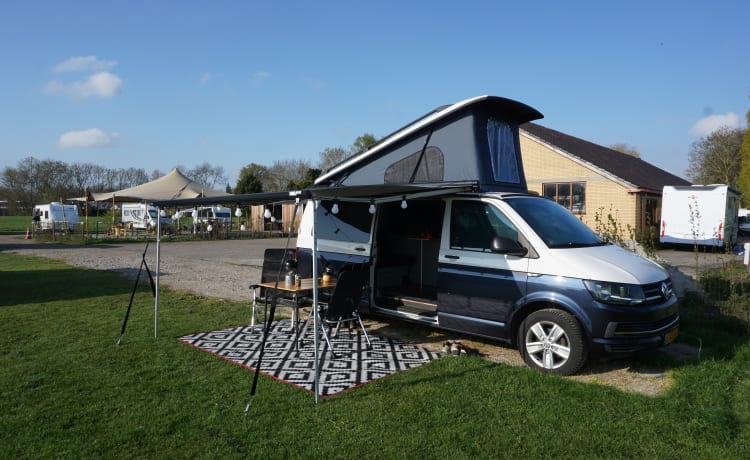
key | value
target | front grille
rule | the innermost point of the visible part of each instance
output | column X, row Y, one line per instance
column 654, row 294
column 643, row 327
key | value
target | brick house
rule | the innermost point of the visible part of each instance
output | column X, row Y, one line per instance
column 592, row 180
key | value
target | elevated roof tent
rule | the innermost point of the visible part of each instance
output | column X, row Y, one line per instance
column 472, row 140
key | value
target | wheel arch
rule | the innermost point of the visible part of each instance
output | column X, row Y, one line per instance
column 521, row 313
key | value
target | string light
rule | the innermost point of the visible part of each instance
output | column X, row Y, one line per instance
column 267, row 213
column 335, row 208
column 403, row 203
column 372, row 207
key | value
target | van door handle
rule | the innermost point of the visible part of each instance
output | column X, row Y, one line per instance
column 359, row 248
column 451, row 256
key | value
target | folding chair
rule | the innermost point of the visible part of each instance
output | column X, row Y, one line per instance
column 343, row 305
column 273, row 260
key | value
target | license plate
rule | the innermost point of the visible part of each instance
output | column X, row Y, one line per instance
column 671, row 335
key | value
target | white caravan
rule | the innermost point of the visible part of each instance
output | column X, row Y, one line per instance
column 699, row 214
column 142, row 216
column 56, row 216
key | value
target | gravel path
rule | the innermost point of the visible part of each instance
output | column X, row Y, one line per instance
column 221, row 268
column 225, row 268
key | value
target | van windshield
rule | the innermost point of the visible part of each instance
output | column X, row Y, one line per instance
column 555, row 225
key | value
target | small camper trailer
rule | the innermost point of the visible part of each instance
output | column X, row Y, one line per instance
column 55, row 216
column 705, row 215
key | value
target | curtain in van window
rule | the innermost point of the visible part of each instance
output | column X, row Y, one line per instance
column 502, row 151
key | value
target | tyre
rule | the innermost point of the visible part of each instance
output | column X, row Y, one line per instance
column 552, row 341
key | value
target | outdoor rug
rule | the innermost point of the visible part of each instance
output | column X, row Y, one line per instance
column 354, row 364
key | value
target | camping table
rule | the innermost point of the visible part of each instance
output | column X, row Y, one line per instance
column 305, row 286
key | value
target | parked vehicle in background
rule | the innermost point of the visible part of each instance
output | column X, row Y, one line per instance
column 142, row 216
column 706, row 215
column 214, row 215
column 743, row 222
column 55, row 216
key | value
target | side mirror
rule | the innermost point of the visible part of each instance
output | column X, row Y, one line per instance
column 503, row 245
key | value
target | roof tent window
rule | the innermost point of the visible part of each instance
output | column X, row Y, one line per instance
column 502, row 144
column 416, row 167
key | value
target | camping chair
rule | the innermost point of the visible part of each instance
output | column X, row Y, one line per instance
column 343, row 305
column 273, row 260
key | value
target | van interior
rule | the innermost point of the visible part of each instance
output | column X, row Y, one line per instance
column 407, row 245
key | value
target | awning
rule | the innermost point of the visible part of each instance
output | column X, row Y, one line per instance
column 380, row 193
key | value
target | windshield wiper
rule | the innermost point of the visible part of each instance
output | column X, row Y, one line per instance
column 575, row 244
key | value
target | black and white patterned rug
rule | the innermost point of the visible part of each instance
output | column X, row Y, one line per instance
column 354, row 364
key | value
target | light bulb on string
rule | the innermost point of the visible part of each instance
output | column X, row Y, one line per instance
column 403, row 203
column 335, row 208
column 267, row 213
column 372, row 207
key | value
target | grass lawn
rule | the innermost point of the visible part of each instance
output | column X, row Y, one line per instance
column 68, row 391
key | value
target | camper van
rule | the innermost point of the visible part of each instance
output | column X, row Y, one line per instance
column 142, row 216
column 214, row 215
column 56, row 216
column 439, row 215
column 705, row 215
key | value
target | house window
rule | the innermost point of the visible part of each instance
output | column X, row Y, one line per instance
column 571, row 195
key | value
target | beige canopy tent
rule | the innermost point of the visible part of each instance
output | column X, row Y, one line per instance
column 172, row 186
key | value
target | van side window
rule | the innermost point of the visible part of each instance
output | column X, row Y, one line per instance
column 351, row 224
column 474, row 224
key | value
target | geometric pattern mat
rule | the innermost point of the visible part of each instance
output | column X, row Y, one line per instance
column 354, row 364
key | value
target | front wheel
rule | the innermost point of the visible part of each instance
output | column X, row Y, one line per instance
column 551, row 340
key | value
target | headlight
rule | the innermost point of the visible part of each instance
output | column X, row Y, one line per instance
column 615, row 293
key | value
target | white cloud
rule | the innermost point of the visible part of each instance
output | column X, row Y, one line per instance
column 205, row 78
column 84, row 64
column 94, row 137
column 101, row 84
column 262, row 75
column 711, row 123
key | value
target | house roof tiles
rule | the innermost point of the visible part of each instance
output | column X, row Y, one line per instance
column 632, row 170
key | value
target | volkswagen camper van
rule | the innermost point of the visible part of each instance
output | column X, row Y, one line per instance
column 439, row 214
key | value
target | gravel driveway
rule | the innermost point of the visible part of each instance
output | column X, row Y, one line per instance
column 225, row 268
column 219, row 268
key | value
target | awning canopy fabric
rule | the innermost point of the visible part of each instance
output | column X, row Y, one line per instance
column 363, row 193
column 171, row 186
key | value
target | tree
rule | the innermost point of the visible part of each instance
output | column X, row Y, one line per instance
column 362, row 143
column 307, row 181
column 330, row 157
column 251, row 179
column 283, row 173
column 744, row 179
column 207, row 175
column 626, row 149
column 715, row 159
column 155, row 174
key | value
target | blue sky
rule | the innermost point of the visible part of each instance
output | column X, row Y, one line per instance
column 155, row 84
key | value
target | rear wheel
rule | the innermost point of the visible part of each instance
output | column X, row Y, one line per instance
column 551, row 340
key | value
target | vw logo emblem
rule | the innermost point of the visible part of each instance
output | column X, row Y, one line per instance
column 664, row 290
